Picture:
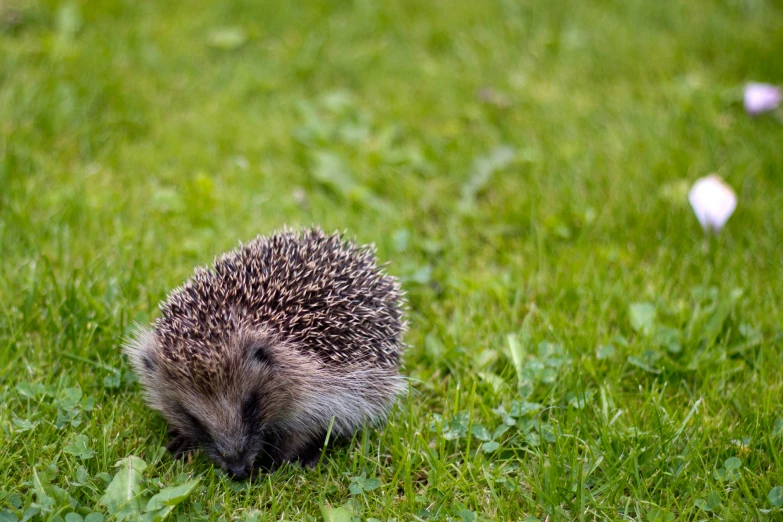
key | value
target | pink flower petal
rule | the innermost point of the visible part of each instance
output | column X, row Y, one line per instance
column 761, row 97
column 713, row 202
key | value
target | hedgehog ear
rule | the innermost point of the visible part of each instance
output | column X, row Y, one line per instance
column 149, row 365
column 260, row 351
column 141, row 350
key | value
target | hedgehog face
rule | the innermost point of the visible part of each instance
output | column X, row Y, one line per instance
column 229, row 405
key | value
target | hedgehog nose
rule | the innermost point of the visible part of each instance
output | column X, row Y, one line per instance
column 238, row 471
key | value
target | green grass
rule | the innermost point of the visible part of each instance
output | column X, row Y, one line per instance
column 547, row 217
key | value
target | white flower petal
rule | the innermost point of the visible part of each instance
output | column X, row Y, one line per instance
column 713, row 202
column 761, row 97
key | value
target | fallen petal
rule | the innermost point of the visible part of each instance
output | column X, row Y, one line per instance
column 761, row 97
column 713, row 202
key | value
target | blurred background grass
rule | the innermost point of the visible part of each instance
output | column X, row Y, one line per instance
column 504, row 156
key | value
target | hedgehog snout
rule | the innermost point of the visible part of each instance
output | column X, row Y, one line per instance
column 238, row 466
column 236, row 455
column 238, row 470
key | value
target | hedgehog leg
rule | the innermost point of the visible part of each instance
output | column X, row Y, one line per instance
column 309, row 456
column 266, row 462
column 179, row 445
column 272, row 455
column 282, row 448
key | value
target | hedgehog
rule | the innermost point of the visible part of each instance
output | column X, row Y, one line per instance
column 285, row 341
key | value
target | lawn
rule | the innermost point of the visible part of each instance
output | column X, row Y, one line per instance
column 579, row 348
